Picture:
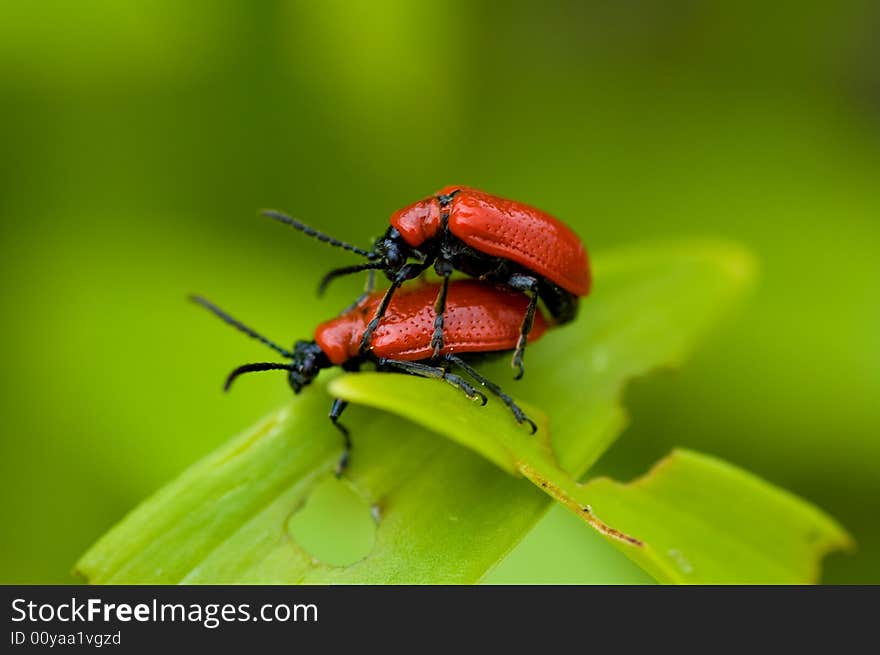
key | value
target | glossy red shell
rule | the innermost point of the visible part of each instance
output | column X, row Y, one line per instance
column 503, row 228
column 418, row 222
column 479, row 318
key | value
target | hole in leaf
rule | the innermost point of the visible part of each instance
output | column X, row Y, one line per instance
column 335, row 526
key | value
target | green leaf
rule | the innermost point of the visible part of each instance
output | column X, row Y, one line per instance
column 693, row 519
column 443, row 514
column 705, row 521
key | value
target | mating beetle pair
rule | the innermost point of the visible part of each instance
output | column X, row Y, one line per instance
column 481, row 235
column 518, row 254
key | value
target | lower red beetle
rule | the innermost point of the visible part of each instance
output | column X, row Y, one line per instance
column 482, row 235
column 481, row 319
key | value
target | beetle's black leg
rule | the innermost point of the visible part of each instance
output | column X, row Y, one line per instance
column 528, row 285
column 528, row 321
column 407, row 272
column 444, row 269
column 518, row 414
column 336, row 410
column 377, row 317
column 435, row 372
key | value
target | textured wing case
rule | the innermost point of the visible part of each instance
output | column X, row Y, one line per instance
column 523, row 234
column 479, row 318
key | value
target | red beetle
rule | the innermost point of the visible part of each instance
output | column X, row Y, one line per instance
column 481, row 319
column 479, row 234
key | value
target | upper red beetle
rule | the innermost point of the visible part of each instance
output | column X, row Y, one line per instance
column 480, row 319
column 479, row 234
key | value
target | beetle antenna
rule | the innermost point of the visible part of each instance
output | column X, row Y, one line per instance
column 253, row 368
column 211, row 307
column 320, row 236
column 347, row 270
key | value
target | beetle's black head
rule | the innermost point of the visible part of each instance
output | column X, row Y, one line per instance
column 390, row 253
column 306, row 362
column 395, row 254
column 306, row 359
column 392, row 250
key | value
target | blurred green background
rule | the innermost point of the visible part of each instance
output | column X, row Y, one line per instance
column 139, row 139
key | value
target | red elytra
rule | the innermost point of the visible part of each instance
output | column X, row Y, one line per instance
column 479, row 318
column 501, row 228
